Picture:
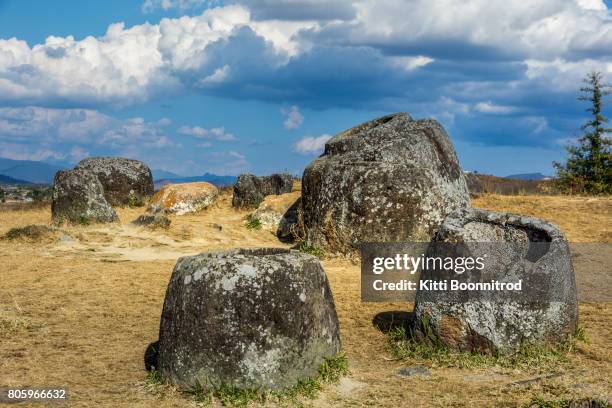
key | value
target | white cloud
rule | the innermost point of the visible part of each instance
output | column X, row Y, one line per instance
column 125, row 65
column 311, row 145
column 44, row 133
column 592, row 4
column 411, row 63
column 236, row 155
column 217, row 133
column 490, row 108
column 534, row 28
column 293, row 117
column 564, row 75
column 219, row 75
column 130, row 64
column 17, row 151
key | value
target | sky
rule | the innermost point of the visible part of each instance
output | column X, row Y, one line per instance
column 194, row 86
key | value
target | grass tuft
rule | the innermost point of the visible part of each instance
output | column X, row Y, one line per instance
column 312, row 250
column 330, row 372
column 134, row 201
column 541, row 402
column 333, row 368
column 405, row 344
column 31, row 233
column 253, row 223
column 155, row 383
column 12, row 322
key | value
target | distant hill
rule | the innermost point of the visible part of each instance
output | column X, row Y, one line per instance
column 484, row 183
column 528, row 176
column 31, row 171
column 215, row 179
column 9, row 180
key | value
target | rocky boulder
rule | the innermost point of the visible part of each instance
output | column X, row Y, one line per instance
column 249, row 318
column 153, row 221
column 184, row 198
column 78, row 197
column 390, row 179
column 125, row 181
column 250, row 190
column 514, row 248
column 279, row 214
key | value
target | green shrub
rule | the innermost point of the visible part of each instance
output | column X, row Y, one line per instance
column 134, row 201
column 312, row 250
column 253, row 223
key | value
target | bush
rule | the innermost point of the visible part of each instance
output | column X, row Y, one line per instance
column 311, row 249
column 253, row 223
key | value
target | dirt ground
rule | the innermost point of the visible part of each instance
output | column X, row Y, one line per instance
column 79, row 311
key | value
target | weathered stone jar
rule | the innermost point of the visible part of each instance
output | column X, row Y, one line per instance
column 390, row 179
column 78, row 198
column 514, row 248
column 248, row 317
column 125, row 181
column 250, row 190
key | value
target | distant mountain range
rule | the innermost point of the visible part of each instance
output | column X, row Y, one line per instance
column 34, row 172
column 208, row 177
column 528, row 176
column 38, row 172
column 10, row 180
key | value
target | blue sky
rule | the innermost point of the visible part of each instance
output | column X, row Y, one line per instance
column 230, row 86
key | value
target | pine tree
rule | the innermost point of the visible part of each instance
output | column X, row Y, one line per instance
column 589, row 164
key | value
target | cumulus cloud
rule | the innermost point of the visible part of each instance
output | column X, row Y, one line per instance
column 17, row 151
column 495, row 57
column 261, row 49
column 218, row 133
column 293, row 117
column 37, row 133
column 309, row 145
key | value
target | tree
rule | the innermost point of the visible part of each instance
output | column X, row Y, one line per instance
column 2, row 195
column 589, row 163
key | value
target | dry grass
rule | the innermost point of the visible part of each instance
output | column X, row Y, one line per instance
column 81, row 314
column 582, row 219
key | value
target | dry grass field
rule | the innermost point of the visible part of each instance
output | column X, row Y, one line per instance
column 78, row 312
